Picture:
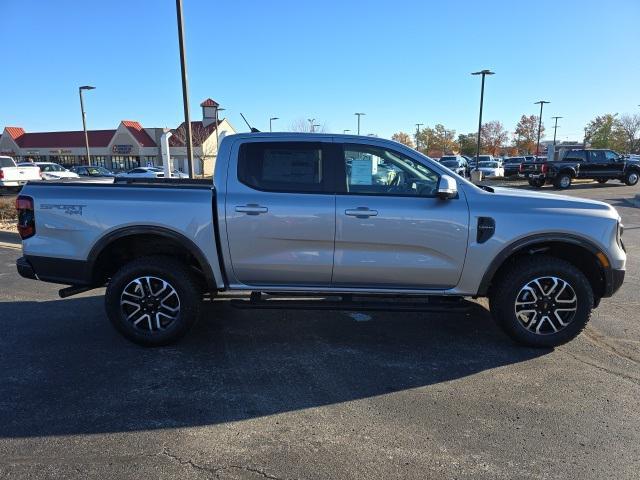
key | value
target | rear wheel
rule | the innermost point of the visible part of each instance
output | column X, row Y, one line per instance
column 563, row 181
column 153, row 301
column 542, row 301
column 536, row 182
column 631, row 178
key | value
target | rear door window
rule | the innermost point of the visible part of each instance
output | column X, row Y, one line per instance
column 283, row 166
column 6, row 162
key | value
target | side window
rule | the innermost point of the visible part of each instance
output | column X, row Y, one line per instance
column 282, row 166
column 575, row 155
column 596, row 156
column 379, row 171
column 611, row 156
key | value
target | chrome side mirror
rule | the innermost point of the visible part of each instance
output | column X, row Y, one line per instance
column 447, row 187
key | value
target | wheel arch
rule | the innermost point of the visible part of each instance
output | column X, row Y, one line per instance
column 133, row 237
column 579, row 251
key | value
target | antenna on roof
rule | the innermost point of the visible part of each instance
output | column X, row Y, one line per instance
column 253, row 130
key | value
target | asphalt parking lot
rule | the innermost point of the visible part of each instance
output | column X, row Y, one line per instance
column 318, row 395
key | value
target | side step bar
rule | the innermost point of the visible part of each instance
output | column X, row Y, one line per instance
column 346, row 302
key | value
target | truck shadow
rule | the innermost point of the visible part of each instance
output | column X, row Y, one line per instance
column 65, row 371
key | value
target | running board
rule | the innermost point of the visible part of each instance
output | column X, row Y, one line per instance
column 346, row 302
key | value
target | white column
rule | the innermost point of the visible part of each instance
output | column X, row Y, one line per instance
column 166, row 155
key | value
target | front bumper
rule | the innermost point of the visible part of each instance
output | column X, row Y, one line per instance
column 613, row 281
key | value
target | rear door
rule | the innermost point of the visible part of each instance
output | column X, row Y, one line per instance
column 391, row 229
column 280, row 213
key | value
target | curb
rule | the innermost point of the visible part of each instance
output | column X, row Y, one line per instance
column 10, row 237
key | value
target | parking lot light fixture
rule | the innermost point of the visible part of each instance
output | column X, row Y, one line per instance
column 84, row 120
column 344, row 132
column 541, row 103
column 271, row 123
column 418, row 125
column 555, row 129
column 359, row 114
column 484, row 73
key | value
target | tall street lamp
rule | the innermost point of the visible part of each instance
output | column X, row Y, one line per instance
column 418, row 125
column 270, row 123
column 541, row 103
column 555, row 128
column 185, row 89
column 484, row 73
column 359, row 114
column 84, row 120
column 345, row 131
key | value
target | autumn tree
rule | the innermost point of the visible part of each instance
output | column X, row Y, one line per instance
column 603, row 132
column 627, row 133
column 525, row 136
column 423, row 140
column 493, row 137
column 403, row 138
column 467, row 143
column 437, row 141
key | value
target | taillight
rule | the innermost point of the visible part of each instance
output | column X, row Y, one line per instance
column 26, row 217
column 544, row 168
column 521, row 168
column 1, row 174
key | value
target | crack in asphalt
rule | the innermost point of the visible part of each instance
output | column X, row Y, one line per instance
column 602, row 368
column 217, row 470
column 600, row 340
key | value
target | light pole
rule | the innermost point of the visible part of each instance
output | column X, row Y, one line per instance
column 345, row 131
column 84, row 120
column 359, row 114
column 418, row 125
column 185, row 89
column 271, row 120
column 218, row 110
column 311, row 120
column 484, row 73
column 555, row 128
column 541, row 103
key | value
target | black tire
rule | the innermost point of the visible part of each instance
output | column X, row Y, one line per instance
column 187, row 299
column 631, row 177
column 601, row 180
column 537, row 183
column 510, row 287
column 563, row 181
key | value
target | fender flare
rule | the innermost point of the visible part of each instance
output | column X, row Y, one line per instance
column 107, row 239
column 521, row 243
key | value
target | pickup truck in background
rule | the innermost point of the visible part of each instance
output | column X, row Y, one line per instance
column 13, row 176
column 583, row 163
column 323, row 221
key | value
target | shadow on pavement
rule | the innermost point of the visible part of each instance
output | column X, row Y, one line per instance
column 65, row 371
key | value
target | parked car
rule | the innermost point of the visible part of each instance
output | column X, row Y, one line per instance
column 457, row 164
column 149, row 172
column 512, row 165
column 588, row 163
column 491, row 169
column 14, row 176
column 53, row 171
column 92, row 171
column 288, row 217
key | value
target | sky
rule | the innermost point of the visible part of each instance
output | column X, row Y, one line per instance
column 401, row 62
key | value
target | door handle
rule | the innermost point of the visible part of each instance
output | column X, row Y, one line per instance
column 360, row 212
column 251, row 209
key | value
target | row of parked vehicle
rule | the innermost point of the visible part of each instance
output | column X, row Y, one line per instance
column 16, row 175
column 490, row 166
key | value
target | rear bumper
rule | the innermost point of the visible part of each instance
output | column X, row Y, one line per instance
column 613, row 281
column 54, row 270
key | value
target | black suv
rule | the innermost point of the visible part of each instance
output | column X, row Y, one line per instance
column 597, row 164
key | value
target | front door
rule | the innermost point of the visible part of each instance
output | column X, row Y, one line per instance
column 280, row 214
column 391, row 229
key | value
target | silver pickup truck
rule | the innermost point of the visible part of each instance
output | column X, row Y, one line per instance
column 342, row 221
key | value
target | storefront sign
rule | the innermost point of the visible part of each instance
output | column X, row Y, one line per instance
column 122, row 149
column 59, row 151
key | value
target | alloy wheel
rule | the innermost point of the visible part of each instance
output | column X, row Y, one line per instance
column 150, row 303
column 546, row 305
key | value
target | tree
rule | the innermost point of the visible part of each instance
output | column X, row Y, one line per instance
column 202, row 148
column 403, row 138
column 467, row 143
column 437, row 141
column 423, row 140
column 493, row 137
column 601, row 132
column 305, row 126
column 627, row 133
column 526, row 133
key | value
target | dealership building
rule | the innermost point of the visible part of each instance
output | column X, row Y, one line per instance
column 128, row 146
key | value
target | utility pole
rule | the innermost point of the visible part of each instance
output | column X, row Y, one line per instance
column 185, row 89
column 84, row 120
column 555, row 128
column 418, row 125
column 541, row 103
column 484, row 73
column 359, row 114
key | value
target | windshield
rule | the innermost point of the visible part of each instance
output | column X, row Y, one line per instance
column 6, row 162
column 449, row 163
column 51, row 167
column 488, row 164
column 514, row 160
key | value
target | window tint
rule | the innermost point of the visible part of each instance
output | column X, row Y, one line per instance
column 611, row 156
column 596, row 156
column 282, row 166
column 575, row 155
column 378, row 171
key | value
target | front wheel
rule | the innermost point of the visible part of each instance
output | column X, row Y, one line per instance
column 542, row 301
column 631, row 178
column 153, row 301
